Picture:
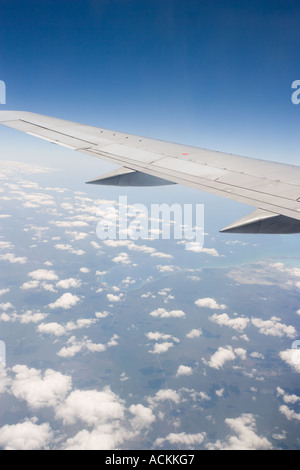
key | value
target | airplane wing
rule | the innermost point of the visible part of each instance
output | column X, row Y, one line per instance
column 273, row 188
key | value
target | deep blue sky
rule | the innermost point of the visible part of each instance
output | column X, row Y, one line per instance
column 214, row 74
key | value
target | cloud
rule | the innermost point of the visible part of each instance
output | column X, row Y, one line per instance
column 197, row 247
column 4, row 291
column 84, row 270
column 4, row 379
column 163, row 313
column 273, row 327
column 43, row 275
column 25, row 436
column 143, row 416
column 91, row 407
column 66, row 301
column 67, row 283
column 238, row 323
column 292, row 358
column 245, row 435
column 165, row 268
column 156, row 336
column 73, row 346
column 163, row 395
column 181, row 438
column 223, row 355
column 13, row 259
column 209, row 303
column 184, row 370
column 122, row 258
column 160, row 348
column 69, row 248
column 288, row 413
column 286, row 397
column 69, row 223
column 194, row 333
column 39, row 390
column 114, row 298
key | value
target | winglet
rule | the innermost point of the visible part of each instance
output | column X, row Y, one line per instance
column 261, row 221
column 127, row 177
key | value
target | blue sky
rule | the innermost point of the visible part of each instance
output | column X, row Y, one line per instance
column 213, row 74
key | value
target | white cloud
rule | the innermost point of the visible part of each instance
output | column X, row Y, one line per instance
column 43, row 275
column 238, row 323
column 4, row 379
column 114, row 298
column 122, row 258
column 84, row 270
column 30, row 285
column 245, row 438
column 91, row 407
column 160, row 348
column 52, row 328
column 197, row 247
column 209, row 303
column 156, row 336
column 6, row 245
column 221, row 356
column 184, row 370
column 69, row 223
column 101, row 314
column 286, row 397
column 164, row 394
column 4, row 291
column 13, row 259
column 289, row 413
column 194, row 333
column 30, row 317
column 165, row 268
column 66, row 301
column 67, row 283
column 39, row 390
column 163, row 313
column 74, row 347
column 143, row 416
column 273, row 327
column 6, row 306
column 69, row 248
column 26, row 436
column 182, row 438
column 292, row 358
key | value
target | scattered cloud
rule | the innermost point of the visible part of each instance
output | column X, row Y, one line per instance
column 210, row 303
column 184, row 370
column 182, row 438
column 223, row 355
column 194, row 333
column 245, row 435
column 273, row 327
column 27, row 435
column 66, row 301
column 238, row 323
column 163, row 313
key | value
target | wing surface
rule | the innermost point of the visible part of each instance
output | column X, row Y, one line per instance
column 273, row 188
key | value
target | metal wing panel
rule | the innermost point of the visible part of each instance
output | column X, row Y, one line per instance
column 271, row 186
